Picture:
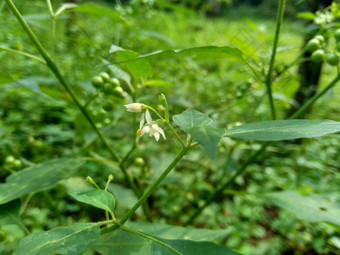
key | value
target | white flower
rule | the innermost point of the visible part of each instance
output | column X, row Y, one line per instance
column 134, row 107
column 150, row 128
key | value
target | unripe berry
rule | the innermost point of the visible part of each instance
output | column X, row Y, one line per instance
column 17, row 163
column 337, row 35
column 10, row 159
column 118, row 92
column 320, row 38
column 313, row 45
column 97, row 82
column 318, row 56
column 332, row 59
column 108, row 88
column 108, row 106
column 115, row 82
column 139, row 162
column 106, row 77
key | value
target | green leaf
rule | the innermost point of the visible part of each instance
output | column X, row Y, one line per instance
column 190, row 119
column 31, row 83
column 97, row 198
column 37, row 178
column 177, row 232
column 306, row 15
column 278, row 130
column 187, row 247
column 122, row 243
column 72, row 240
column 313, row 208
column 205, row 52
column 118, row 72
column 94, row 9
column 125, row 243
column 138, row 69
column 159, row 83
column 199, row 127
column 9, row 213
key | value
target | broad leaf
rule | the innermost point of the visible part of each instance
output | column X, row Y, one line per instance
column 205, row 52
column 72, row 240
column 208, row 137
column 177, row 232
column 190, row 119
column 9, row 213
column 138, row 69
column 124, row 243
column 94, row 9
column 314, row 208
column 278, row 130
column 97, row 198
column 199, row 127
column 187, row 247
column 37, row 178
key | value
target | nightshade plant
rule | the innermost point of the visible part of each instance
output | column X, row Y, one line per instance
column 191, row 128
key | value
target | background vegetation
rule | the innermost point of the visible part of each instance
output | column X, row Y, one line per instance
column 39, row 121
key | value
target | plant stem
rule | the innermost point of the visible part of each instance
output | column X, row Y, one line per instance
column 302, row 110
column 54, row 68
column 151, row 189
column 272, row 59
column 23, row 54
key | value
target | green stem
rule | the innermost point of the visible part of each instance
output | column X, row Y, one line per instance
column 272, row 59
column 150, row 190
column 298, row 113
column 25, row 203
column 23, row 54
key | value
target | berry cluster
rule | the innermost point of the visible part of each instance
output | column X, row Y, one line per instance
column 108, row 90
column 319, row 51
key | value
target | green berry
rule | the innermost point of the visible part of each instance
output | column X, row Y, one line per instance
column 97, row 82
column 108, row 106
column 10, row 160
column 313, row 45
column 320, row 38
column 99, row 125
column 118, row 92
column 139, row 161
column 318, row 56
column 337, row 35
column 17, row 163
column 115, row 82
column 107, row 121
column 106, row 77
column 108, row 89
column 332, row 59
column 338, row 46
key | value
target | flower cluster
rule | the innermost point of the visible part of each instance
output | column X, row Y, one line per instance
column 146, row 125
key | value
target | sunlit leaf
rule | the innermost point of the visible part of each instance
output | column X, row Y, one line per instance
column 94, row 9
column 37, row 178
column 278, row 130
column 159, row 83
column 313, row 208
column 72, row 240
column 97, row 198
column 306, row 15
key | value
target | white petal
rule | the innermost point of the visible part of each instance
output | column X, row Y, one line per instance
column 153, row 129
column 134, row 107
column 156, row 135
column 145, row 129
column 141, row 123
column 161, row 132
column 148, row 117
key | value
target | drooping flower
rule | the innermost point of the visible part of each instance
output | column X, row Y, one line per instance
column 150, row 128
column 134, row 107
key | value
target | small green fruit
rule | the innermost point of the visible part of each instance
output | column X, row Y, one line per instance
column 108, row 106
column 115, row 82
column 332, row 59
column 108, row 89
column 17, row 163
column 106, row 77
column 99, row 125
column 10, row 160
column 320, row 38
column 337, row 35
column 97, row 82
column 139, row 161
column 118, row 92
column 313, row 45
column 318, row 56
